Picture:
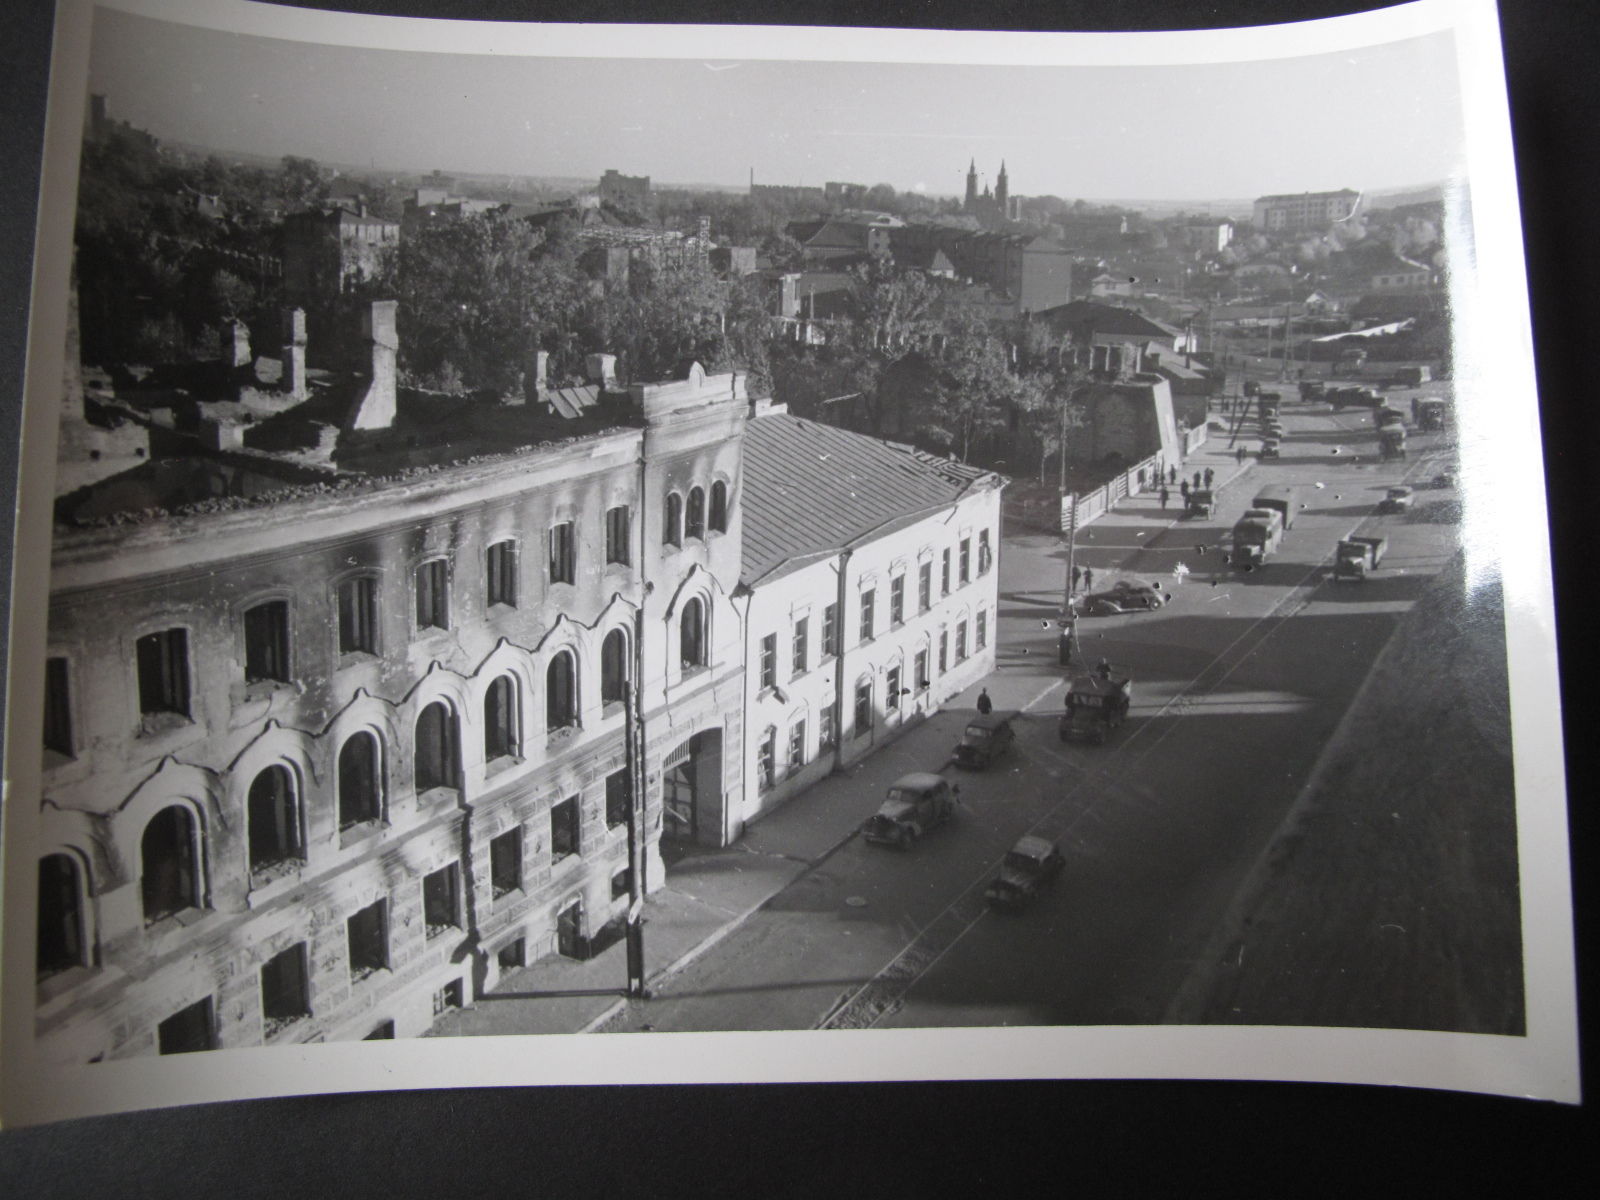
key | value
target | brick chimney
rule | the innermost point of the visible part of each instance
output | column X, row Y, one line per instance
column 376, row 407
column 292, row 379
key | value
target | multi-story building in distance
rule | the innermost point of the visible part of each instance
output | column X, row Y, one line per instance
column 1308, row 210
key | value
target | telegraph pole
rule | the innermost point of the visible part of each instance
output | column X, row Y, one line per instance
column 1069, row 518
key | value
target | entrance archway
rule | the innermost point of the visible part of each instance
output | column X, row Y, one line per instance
column 691, row 791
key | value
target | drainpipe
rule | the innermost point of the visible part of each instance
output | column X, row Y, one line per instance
column 838, row 662
column 633, row 697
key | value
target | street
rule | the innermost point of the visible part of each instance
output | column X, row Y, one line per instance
column 1239, row 683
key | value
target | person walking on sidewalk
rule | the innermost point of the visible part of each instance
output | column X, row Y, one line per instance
column 1088, row 578
column 1165, row 496
column 1197, row 481
column 1210, row 475
column 985, row 705
column 1183, row 487
column 1172, row 474
column 1238, row 456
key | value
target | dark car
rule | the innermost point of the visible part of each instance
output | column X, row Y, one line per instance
column 985, row 738
column 1124, row 597
column 915, row 804
column 1027, row 868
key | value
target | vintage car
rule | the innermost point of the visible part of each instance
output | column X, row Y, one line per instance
column 1027, row 867
column 1270, row 448
column 985, row 738
column 1202, row 503
column 1095, row 705
column 915, row 804
column 1397, row 500
column 1124, row 596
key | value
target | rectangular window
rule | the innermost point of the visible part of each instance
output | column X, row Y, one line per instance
column 441, row 900
column 358, row 616
column 767, row 766
column 447, row 997
column 505, row 863
column 164, row 672
column 563, row 829
column 57, row 707
column 619, row 798
column 863, row 708
column 828, row 728
column 797, row 746
column 617, row 544
column 368, row 935
column 965, row 574
column 961, row 641
column 501, row 585
column 868, row 602
column 925, row 587
column 897, row 600
column 799, row 652
column 944, row 652
column 769, row 660
column 512, row 955
column 285, row 995
column 944, row 574
column 830, row 631
column 563, row 553
column 891, row 690
column 922, row 670
column 980, row 632
column 433, row 607
column 189, row 1029
column 985, row 554
column 266, row 642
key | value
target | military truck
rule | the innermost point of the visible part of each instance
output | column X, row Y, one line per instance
column 1413, row 376
column 1433, row 413
column 1357, row 556
column 1279, row 496
column 1313, row 389
column 1392, row 441
column 1255, row 537
column 1095, row 705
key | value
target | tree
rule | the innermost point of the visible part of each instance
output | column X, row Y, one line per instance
column 302, row 183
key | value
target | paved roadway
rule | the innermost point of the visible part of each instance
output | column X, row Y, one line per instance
column 1239, row 683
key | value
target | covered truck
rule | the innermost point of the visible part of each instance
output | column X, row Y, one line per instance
column 1255, row 536
column 1278, row 496
column 1392, row 440
column 1433, row 413
column 1413, row 376
column 1357, row 556
column 1096, row 704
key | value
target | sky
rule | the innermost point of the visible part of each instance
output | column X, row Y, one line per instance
column 1379, row 118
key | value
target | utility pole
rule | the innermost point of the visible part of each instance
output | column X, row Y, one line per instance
column 634, row 930
column 1069, row 518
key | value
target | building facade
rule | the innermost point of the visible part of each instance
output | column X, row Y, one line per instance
column 865, row 607
column 324, row 764
column 1308, row 210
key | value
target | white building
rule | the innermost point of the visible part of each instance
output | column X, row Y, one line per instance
column 869, row 586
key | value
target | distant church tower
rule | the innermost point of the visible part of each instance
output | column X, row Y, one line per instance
column 972, row 187
column 990, row 207
column 1002, row 189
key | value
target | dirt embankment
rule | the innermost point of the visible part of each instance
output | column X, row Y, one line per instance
column 1390, row 900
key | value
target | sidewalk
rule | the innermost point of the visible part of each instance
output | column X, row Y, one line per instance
column 710, row 892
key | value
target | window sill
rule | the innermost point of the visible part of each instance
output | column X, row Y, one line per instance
column 561, row 735
column 361, row 831
column 355, row 658
column 357, row 979
column 501, row 764
column 508, row 897
column 272, row 1028
column 153, row 725
column 182, row 919
column 435, row 932
column 437, row 795
column 59, row 983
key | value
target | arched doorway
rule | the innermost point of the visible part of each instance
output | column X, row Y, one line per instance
column 691, row 792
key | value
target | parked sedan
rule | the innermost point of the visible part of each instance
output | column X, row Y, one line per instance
column 1124, row 597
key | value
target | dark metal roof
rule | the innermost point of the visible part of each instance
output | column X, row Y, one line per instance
column 810, row 490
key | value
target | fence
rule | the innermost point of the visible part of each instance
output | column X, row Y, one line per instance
column 1141, row 476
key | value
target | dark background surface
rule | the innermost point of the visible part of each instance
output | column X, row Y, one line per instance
column 972, row 1138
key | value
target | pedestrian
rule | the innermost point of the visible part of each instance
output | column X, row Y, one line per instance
column 1172, row 474
column 985, row 705
column 1077, row 577
column 1238, row 456
column 1210, row 475
column 1197, row 481
column 1088, row 578
column 1165, row 496
column 1183, row 488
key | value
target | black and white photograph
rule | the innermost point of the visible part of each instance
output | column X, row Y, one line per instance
column 554, row 549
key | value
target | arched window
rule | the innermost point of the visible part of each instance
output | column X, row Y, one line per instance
column 561, row 692
column 360, row 781
column 695, row 522
column 672, row 529
column 613, row 667
column 274, row 819
column 169, row 875
column 692, row 634
column 437, row 764
column 719, row 507
column 61, row 933
column 500, row 724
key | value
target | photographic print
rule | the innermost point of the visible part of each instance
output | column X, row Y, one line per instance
column 591, row 554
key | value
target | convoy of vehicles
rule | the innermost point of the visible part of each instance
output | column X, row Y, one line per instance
column 1025, row 870
column 1358, row 556
column 1255, row 536
column 1095, row 705
column 916, row 803
column 1279, row 496
column 986, row 737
